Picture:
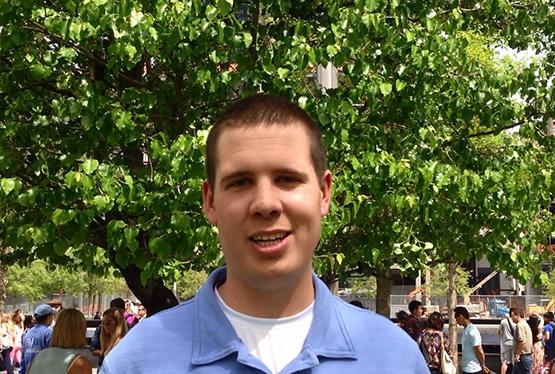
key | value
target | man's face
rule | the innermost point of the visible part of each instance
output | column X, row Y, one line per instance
column 459, row 319
column 267, row 203
column 418, row 312
column 515, row 317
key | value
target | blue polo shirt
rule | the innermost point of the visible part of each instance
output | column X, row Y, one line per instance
column 196, row 337
column 33, row 341
column 550, row 344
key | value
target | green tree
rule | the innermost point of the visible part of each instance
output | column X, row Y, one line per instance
column 29, row 282
column 438, row 284
column 106, row 105
column 42, row 280
column 190, row 282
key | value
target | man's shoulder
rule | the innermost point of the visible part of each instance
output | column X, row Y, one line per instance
column 177, row 317
column 472, row 330
column 170, row 329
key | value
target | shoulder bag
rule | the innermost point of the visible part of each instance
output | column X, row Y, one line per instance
column 447, row 365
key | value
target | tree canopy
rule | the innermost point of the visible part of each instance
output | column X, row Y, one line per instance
column 106, row 105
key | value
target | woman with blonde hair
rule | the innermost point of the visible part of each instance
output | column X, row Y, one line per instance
column 7, row 341
column 65, row 355
column 17, row 320
column 114, row 328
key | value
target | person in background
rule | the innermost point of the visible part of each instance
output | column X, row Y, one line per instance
column 538, row 352
column 130, row 314
column 7, row 341
column 95, row 346
column 114, row 328
column 432, row 341
column 17, row 320
column 65, row 356
column 549, row 335
column 267, row 191
column 523, row 343
column 506, row 334
column 401, row 318
column 141, row 312
column 57, row 304
column 28, row 322
column 473, row 360
column 37, row 337
column 413, row 324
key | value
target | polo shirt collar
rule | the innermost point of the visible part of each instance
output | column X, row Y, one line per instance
column 214, row 337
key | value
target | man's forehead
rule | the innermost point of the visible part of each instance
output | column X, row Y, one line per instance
column 242, row 138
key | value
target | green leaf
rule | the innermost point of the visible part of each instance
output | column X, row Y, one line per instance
column 212, row 11
column 131, row 239
column 399, row 85
column 247, row 39
column 89, row 166
column 331, row 50
column 101, row 202
column 385, row 88
column 59, row 217
column 130, row 50
column 282, row 72
column 160, row 247
column 225, row 6
column 8, row 185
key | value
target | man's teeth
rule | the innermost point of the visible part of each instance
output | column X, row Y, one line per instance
column 268, row 240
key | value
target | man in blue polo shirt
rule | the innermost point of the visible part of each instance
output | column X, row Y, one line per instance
column 38, row 337
column 473, row 360
column 267, row 190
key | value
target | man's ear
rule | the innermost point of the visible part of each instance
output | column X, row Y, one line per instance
column 208, row 202
column 325, row 191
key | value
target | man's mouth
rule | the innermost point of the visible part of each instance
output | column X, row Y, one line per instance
column 269, row 240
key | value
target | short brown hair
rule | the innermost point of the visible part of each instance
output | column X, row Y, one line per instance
column 518, row 311
column 70, row 330
column 436, row 321
column 265, row 110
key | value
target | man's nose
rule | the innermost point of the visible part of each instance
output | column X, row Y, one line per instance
column 265, row 200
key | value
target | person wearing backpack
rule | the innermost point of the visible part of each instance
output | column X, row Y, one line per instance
column 506, row 334
column 549, row 335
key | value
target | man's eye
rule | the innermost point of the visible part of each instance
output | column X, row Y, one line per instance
column 288, row 179
column 239, row 182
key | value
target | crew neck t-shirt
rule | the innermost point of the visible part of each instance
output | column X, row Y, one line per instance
column 274, row 341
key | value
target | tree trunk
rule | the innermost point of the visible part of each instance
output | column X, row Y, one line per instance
column 451, row 304
column 383, row 293
column 334, row 287
column 91, row 304
column 3, row 284
column 154, row 295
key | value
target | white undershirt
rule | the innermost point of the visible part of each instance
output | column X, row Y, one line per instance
column 274, row 341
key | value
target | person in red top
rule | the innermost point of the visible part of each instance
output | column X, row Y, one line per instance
column 412, row 325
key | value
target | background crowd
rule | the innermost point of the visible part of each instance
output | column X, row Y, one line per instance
column 53, row 339
column 527, row 345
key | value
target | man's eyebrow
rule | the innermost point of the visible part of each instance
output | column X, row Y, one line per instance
column 244, row 173
column 291, row 171
column 234, row 175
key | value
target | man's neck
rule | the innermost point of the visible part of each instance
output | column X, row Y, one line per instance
column 277, row 302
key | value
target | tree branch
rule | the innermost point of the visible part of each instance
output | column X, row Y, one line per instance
column 496, row 131
column 41, row 29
